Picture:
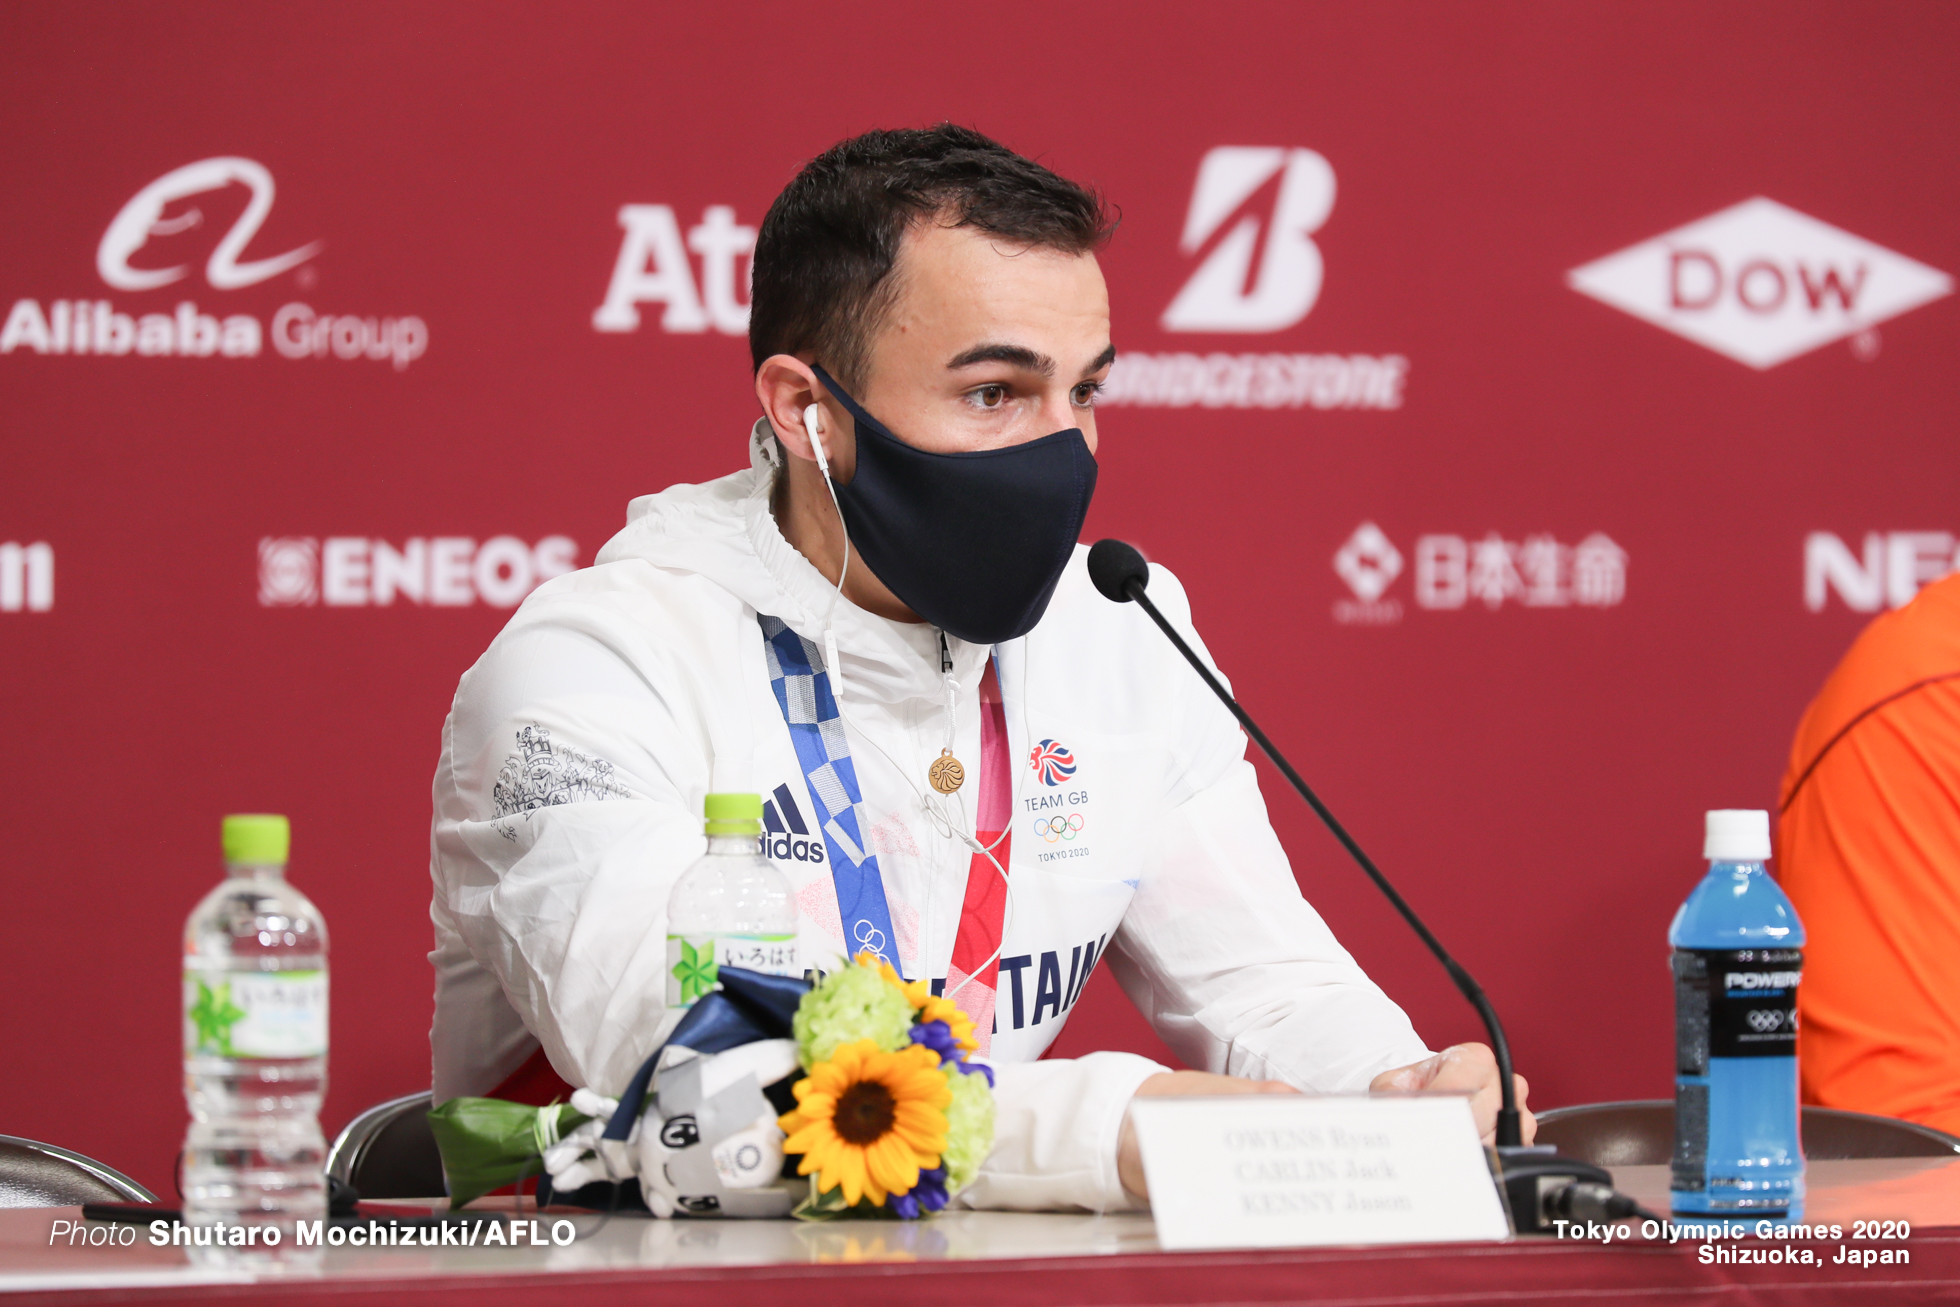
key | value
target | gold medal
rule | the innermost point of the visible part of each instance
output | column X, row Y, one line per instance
column 946, row 774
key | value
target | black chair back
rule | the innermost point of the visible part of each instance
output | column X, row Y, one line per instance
column 34, row 1174
column 389, row 1151
column 1641, row 1133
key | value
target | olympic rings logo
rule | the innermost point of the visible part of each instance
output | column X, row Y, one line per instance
column 1059, row 828
column 870, row 939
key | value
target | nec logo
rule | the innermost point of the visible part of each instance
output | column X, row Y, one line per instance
column 1762, row 283
column 1895, row 567
column 1224, row 294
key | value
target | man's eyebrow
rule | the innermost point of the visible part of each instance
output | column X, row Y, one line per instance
column 1016, row 356
column 1103, row 360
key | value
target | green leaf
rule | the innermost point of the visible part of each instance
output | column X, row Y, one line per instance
column 214, row 1014
column 487, row 1143
column 696, row 970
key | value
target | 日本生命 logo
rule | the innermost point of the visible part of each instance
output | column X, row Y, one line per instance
column 1762, row 283
column 1454, row 571
column 1052, row 762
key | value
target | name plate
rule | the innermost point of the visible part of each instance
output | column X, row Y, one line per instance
column 1288, row 1171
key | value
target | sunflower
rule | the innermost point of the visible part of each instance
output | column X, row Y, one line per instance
column 930, row 1006
column 869, row 1120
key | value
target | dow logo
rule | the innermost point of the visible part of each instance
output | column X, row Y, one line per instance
column 1761, row 282
column 1224, row 294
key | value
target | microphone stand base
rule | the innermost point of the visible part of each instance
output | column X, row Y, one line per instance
column 1528, row 1176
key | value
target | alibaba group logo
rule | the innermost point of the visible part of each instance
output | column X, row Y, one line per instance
column 143, row 218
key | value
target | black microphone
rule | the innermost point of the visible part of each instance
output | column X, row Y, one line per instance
column 1121, row 574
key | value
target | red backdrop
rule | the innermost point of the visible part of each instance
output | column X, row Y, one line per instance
column 1530, row 765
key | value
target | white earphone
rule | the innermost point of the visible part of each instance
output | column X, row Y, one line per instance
column 810, row 424
column 832, row 663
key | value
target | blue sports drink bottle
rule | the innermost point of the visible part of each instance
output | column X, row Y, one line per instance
column 1738, row 957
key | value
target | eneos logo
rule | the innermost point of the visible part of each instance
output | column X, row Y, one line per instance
column 1052, row 762
column 1762, row 283
column 446, row 571
column 164, row 209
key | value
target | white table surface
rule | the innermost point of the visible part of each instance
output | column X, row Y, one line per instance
column 1923, row 1191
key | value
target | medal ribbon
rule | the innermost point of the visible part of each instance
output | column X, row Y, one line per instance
column 975, row 969
column 816, row 728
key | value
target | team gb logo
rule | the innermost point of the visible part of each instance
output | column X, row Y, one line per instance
column 1053, row 762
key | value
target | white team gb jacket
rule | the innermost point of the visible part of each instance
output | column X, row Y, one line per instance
column 579, row 748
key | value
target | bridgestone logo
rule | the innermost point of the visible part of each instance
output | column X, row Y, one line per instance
column 1273, row 381
column 1761, row 979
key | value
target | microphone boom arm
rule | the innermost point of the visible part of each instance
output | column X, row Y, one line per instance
column 1509, row 1125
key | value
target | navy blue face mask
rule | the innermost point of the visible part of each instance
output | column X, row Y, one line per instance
column 972, row 542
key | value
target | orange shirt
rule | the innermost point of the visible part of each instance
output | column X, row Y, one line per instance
column 1870, row 845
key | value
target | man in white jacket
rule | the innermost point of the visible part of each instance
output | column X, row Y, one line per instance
column 973, row 764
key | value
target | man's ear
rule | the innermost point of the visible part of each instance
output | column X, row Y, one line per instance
column 786, row 386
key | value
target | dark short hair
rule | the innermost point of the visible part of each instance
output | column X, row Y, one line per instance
column 824, row 255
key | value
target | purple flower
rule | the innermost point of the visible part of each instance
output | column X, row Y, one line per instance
column 931, row 1189
column 929, row 1195
column 937, row 1036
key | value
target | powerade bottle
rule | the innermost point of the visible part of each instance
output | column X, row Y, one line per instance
column 1738, row 957
column 731, row 908
column 255, row 1058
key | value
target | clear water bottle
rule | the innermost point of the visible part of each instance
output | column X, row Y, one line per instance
column 1738, row 958
column 731, row 908
column 255, row 1058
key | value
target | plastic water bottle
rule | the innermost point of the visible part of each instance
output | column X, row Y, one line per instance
column 1738, row 957
column 731, row 908
column 255, row 1057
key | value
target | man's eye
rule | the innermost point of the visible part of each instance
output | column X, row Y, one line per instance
column 990, row 396
column 1085, row 394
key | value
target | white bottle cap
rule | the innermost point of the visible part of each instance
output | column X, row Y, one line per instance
column 1737, row 835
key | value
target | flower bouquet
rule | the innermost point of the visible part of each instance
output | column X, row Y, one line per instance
column 854, row 1096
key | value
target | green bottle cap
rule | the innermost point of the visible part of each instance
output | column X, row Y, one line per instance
column 257, row 839
column 733, row 814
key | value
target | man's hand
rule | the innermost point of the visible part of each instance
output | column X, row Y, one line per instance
column 1462, row 1068
column 1178, row 1084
